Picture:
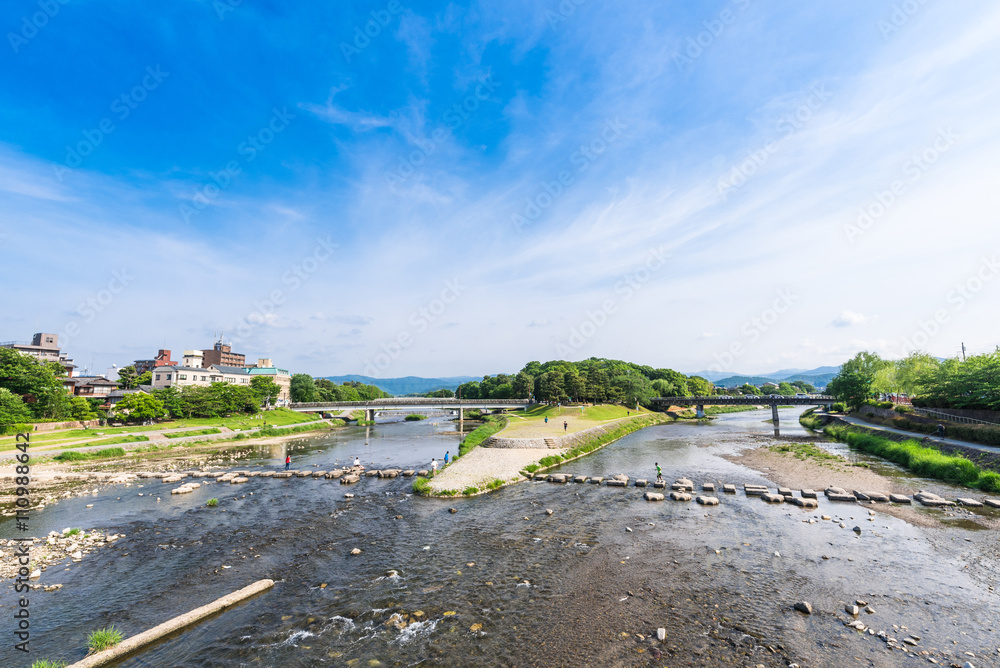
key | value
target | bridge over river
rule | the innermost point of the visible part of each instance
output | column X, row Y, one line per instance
column 409, row 403
column 772, row 400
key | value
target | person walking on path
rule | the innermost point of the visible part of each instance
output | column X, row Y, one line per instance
column 288, row 461
column 446, row 457
column 546, row 419
column 434, row 466
column 565, row 425
column 659, row 471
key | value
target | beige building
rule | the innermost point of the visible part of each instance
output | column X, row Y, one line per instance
column 281, row 377
column 179, row 376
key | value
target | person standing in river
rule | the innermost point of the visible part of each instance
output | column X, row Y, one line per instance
column 288, row 461
column 659, row 471
column 434, row 466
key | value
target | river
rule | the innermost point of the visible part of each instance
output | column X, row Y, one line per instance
column 502, row 583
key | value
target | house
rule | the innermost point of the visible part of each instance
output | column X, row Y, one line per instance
column 180, row 376
column 97, row 387
column 45, row 348
column 117, row 395
column 162, row 359
column 281, row 377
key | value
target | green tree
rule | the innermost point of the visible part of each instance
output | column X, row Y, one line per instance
column 12, row 408
column 303, row 388
column 854, row 383
column 173, row 401
column 38, row 383
column 914, row 370
column 749, row 390
column 550, row 387
column 699, row 387
column 523, row 385
column 139, row 406
column 265, row 390
column 128, row 378
column 80, row 409
column 469, row 390
column 145, row 378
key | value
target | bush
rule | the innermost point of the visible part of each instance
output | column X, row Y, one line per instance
column 421, row 486
column 531, row 468
column 551, row 460
column 74, row 456
column 469, row 491
column 903, row 409
column 414, row 417
column 212, row 503
column 103, row 639
column 11, row 429
column 496, row 483
column 45, row 663
column 839, row 407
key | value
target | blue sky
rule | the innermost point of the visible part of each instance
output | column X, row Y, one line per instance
column 735, row 185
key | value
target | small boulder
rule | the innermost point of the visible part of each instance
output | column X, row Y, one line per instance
column 707, row 500
column 652, row 496
column 804, row 606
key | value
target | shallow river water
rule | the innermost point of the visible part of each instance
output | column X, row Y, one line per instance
column 500, row 582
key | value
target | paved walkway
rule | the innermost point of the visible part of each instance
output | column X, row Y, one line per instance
column 918, row 436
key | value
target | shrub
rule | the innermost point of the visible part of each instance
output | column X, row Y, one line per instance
column 531, row 468
column 45, row 663
column 480, row 434
column 212, row 503
column 551, row 460
column 414, row 417
column 470, row 490
column 449, row 492
column 103, row 639
column 74, row 456
column 73, row 532
column 839, row 407
column 903, row 409
column 11, row 429
column 496, row 483
column 421, row 486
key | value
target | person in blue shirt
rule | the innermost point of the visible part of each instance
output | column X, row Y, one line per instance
column 446, row 457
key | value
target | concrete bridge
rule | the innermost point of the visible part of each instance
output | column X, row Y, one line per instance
column 409, row 403
column 772, row 400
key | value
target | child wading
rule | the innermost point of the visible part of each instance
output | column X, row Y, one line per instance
column 288, row 461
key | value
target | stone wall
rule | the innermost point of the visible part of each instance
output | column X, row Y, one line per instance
column 73, row 424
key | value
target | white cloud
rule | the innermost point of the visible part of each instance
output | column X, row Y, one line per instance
column 849, row 318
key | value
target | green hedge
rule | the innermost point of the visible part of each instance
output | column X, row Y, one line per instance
column 76, row 456
column 921, row 460
column 11, row 429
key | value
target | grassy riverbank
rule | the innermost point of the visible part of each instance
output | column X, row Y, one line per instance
column 911, row 455
column 494, row 424
column 598, row 439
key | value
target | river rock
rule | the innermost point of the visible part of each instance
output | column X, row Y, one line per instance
column 707, row 500
column 773, row 498
column 930, row 499
column 661, row 634
column 847, row 498
column 852, row 610
column 238, row 481
column 641, row 482
column 808, row 494
column 356, row 551
column 860, row 496
column 834, row 490
column 660, row 484
column 408, row 473
column 972, row 503
column 802, row 503
column 349, row 479
column 319, row 474
column 992, row 503
column 333, row 475
column 899, row 498
column 615, row 482
column 804, row 606
column 652, row 496
column 422, row 473
column 754, row 490
column 453, row 510
column 372, row 473
column 557, row 477
column 729, row 488
column 549, row 511
column 680, row 496
column 596, row 480
column 878, row 497
column 540, row 476
column 580, row 478
column 708, row 487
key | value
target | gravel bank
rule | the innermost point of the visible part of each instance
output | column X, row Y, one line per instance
column 486, row 464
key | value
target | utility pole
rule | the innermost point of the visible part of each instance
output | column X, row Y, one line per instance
column 963, row 351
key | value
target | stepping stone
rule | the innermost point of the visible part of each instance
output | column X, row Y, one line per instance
column 992, row 503
column 267, row 474
column 847, row 498
column 707, row 500
column 683, row 484
column 641, row 482
column 652, row 496
column 932, row 500
column 615, row 482
column 861, row 496
column 834, row 490
column 238, row 481
column 808, row 494
column 660, row 484
column 802, row 503
column 680, row 496
column 729, row 488
column 773, row 498
column 304, row 474
column 558, row 477
column 580, row 478
column 372, row 473
column 899, row 498
column 252, row 474
column 541, row 476
column 972, row 503
column 349, row 479
column 877, row 496
column 319, row 474
column 391, row 473
column 336, row 473
column 409, row 473
column 755, row 491
column 422, row 472
column 784, row 491
column 708, row 487
column 596, row 481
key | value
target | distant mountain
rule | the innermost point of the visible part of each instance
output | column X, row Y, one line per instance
column 819, row 377
column 736, row 381
column 408, row 384
column 709, row 375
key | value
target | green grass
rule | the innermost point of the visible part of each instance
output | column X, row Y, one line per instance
column 414, row 417
column 531, row 468
column 74, row 456
column 212, row 503
column 594, row 441
column 481, row 433
column 73, row 532
column 921, row 460
column 103, row 639
column 806, row 451
column 194, row 432
column 45, row 663
column 496, row 483
column 422, row 486
column 470, row 490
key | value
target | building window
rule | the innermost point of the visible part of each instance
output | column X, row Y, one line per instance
column 157, row 376
column 204, row 378
column 182, row 376
column 168, row 376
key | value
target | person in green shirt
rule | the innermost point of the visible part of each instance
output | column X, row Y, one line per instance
column 659, row 472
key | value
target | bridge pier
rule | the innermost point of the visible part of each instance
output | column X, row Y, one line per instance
column 700, row 410
column 370, row 414
column 461, row 420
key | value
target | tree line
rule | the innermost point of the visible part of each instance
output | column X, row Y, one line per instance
column 305, row 388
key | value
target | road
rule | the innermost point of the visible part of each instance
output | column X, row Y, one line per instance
column 918, row 436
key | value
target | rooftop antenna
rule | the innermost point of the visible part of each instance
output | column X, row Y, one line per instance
column 963, row 351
